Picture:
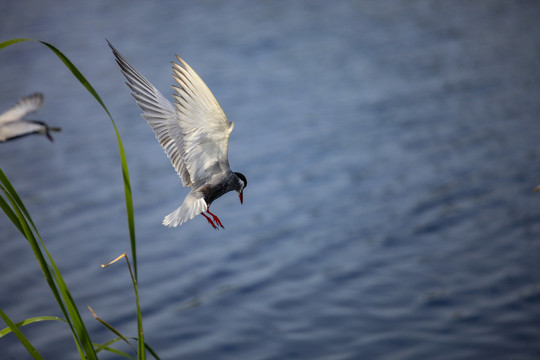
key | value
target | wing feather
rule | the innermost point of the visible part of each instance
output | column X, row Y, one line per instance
column 160, row 115
column 204, row 125
column 194, row 132
column 26, row 105
column 15, row 129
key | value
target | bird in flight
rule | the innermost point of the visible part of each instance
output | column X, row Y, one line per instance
column 194, row 132
column 12, row 122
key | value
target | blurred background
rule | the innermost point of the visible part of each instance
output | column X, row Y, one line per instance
column 391, row 149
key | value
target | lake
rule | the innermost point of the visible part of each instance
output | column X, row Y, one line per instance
column 391, row 149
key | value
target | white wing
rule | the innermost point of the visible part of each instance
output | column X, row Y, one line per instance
column 195, row 135
column 160, row 115
column 205, row 127
column 23, row 107
column 16, row 129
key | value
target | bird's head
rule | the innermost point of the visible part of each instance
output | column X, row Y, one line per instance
column 242, row 183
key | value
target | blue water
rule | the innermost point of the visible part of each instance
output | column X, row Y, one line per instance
column 391, row 149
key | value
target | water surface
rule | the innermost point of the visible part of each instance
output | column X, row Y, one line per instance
column 391, row 150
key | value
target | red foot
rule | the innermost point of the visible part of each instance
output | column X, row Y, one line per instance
column 209, row 221
column 216, row 219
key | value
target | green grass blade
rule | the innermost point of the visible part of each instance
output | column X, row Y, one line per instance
column 24, row 341
column 21, row 218
column 54, row 279
column 32, row 320
column 115, row 351
column 74, row 314
column 151, row 351
column 17, row 200
column 111, row 328
column 10, row 213
column 125, row 173
column 20, row 221
column 25, row 229
column 13, row 41
column 100, row 347
column 141, row 349
column 22, row 224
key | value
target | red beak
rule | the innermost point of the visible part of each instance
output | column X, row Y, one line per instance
column 241, row 196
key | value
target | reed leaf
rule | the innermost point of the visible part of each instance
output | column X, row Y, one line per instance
column 23, row 221
column 100, row 347
column 112, row 329
column 32, row 320
column 26, row 343
column 118, row 352
column 125, row 172
column 10, row 213
column 54, row 278
column 141, row 353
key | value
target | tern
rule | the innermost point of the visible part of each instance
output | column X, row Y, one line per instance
column 194, row 132
column 13, row 126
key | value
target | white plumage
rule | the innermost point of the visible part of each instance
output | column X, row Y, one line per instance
column 12, row 122
column 26, row 105
column 194, row 132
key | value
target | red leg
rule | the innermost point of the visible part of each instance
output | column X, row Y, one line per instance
column 209, row 221
column 216, row 219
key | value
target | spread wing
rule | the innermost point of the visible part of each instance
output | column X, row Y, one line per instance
column 204, row 126
column 27, row 105
column 160, row 115
column 16, row 129
column 194, row 132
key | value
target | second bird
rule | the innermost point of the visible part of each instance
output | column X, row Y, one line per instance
column 12, row 122
column 194, row 132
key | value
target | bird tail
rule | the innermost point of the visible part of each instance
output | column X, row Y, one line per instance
column 192, row 206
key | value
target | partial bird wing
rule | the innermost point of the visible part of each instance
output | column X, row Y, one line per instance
column 160, row 115
column 205, row 127
column 23, row 107
column 16, row 129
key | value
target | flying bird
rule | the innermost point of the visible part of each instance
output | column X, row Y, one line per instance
column 194, row 132
column 12, row 122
